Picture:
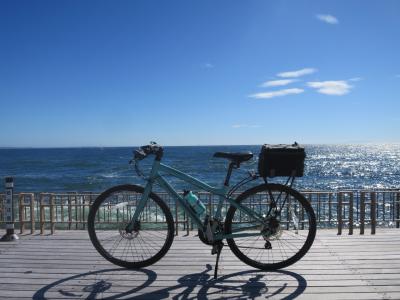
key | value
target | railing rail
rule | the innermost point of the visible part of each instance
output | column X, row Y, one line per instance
column 344, row 210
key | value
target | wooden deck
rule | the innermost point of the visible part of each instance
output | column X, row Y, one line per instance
column 65, row 265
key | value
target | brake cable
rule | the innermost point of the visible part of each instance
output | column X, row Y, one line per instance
column 137, row 169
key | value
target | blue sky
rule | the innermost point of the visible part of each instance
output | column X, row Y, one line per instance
column 121, row 73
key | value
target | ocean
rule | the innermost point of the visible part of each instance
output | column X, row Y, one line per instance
column 327, row 167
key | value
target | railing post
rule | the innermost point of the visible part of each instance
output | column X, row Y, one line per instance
column 351, row 201
column 362, row 212
column 383, row 207
column 32, row 211
column 310, row 201
column 398, row 210
column 373, row 212
column 187, row 224
column 69, row 212
column 302, row 216
column 209, row 205
column 330, row 209
column 176, row 218
column 21, row 213
column 76, row 212
column 52, row 219
column 287, row 214
column 184, row 219
column 319, row 207
column 45, row 201
column 9, row 211
column 339, row 212
column 42, row 214
column 81, row 206
column 62, row 210
column 358, row 206
column 83, row 217
column 26, row 200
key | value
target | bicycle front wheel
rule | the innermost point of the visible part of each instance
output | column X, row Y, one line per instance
column 282, row 238
column 107, row 225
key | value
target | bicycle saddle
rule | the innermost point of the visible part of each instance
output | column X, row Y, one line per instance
column 236, row 157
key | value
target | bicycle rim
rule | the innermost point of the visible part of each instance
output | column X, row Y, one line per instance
column 280, row 242
column 109, row 217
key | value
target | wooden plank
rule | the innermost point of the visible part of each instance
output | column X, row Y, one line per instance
column 65, row 266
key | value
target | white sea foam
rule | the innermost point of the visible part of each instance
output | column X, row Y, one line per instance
column 121, row 205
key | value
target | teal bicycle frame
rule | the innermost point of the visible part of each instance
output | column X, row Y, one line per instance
column 222, row 192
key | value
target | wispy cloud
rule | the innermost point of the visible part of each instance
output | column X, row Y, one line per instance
column 297, row 73
column 355, row 79
column 280, row 93
column 336, row 88
column 327, row 19
column 208, row 66
column 280, row 82
column 245, row 126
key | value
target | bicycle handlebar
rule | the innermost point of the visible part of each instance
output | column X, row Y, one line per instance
column 144, row 151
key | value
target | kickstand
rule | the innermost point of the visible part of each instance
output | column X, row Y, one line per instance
column 218, row 249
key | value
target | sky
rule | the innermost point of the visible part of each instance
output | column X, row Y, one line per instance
column 123, row 73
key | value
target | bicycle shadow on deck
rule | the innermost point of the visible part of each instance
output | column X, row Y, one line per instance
column 141, row 284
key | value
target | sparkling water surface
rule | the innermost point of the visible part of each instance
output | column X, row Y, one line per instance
column 327, row 167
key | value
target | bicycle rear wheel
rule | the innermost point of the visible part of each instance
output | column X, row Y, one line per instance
column 147, row 243
column 282, row 239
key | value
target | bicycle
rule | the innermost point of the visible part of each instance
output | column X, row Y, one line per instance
column 269, row 226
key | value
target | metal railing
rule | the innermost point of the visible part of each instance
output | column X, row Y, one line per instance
column 344, row 210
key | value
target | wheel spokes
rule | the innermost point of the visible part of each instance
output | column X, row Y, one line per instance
column 284, row 233
column 110, row 226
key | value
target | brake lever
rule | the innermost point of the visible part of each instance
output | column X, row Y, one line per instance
column 140, row 154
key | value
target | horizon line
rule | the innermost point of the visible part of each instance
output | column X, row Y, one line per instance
column 194, row 145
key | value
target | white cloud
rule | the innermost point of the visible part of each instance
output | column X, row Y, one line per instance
column 279, row 82
column 279, row 93
column 245, row 126
column 337, row 88
column 327, row 19
column 297, row 73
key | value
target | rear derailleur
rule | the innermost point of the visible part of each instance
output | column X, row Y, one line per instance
column 271, row 230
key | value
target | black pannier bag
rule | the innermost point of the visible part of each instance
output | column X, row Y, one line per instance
column 281, row 160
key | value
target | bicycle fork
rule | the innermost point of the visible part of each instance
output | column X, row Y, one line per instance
column 134, row 224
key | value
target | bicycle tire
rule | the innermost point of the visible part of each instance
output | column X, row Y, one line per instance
column 263, row 259
column 136, row 255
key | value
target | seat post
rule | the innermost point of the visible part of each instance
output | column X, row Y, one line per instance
column 228, row 175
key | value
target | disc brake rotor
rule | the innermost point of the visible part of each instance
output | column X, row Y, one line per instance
column 128, row 235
